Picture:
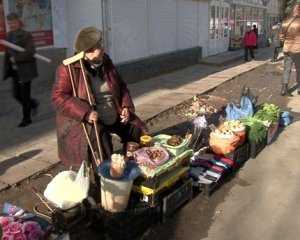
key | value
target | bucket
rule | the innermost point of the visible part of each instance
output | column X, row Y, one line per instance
column 115, row 192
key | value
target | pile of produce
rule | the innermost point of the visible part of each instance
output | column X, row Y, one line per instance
column 234, row 125
column 223, row 133
column 256, row 129
column 199, row 107
column 262, row 119
column 237, row 127
column 268, row 112
column 227, row 137
column 151, row 156
column 174, row 140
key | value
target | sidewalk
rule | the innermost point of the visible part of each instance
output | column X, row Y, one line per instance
column 26, row 152
column 223, row 58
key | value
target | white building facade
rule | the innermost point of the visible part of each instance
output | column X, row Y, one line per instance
column 137, row 29
column 273, row 14
column 219, row 26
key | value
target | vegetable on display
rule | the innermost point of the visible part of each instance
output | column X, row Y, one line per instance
column 268, row 112
column 256, row 129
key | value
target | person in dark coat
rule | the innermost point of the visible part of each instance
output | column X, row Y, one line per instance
column 113, row 109
column 21, row 67
column 255, row 30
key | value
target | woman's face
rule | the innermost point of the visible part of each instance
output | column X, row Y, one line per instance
column 296, row 10
column 14, row 25
column 95, row 54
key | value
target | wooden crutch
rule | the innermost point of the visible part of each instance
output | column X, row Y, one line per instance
column 90, row 101
column 67, row 62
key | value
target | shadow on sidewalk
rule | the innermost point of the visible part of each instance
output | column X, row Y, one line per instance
column 7, row 163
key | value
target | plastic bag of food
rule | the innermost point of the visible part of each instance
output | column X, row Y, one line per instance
column 234, row 112
column 68, row 188
column 237, row 127
column 200, row 132
column 223, row 143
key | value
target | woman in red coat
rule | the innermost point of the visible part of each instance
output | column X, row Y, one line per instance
column 113, row 109
column 250, row 41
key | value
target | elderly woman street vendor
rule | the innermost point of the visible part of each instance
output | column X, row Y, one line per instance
column 112, row 107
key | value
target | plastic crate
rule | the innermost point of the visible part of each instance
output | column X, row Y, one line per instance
column 257, row 147
column 177, row 198
column 272, row 132
column 207, row 190
column 151, row 191
column 240, row 155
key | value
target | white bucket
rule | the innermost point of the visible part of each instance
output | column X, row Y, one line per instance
column 115, row 194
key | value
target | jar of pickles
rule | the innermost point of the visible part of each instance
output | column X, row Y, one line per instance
column 131, row 147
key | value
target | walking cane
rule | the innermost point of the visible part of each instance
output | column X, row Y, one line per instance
column 68, row 62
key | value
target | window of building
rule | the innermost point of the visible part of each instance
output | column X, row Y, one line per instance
column 240, row 21
column 226, row 22
column 212, row 22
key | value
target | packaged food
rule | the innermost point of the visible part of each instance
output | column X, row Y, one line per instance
column 223, row 142
column 151, row 156
column 130, row 149
column 174, row 140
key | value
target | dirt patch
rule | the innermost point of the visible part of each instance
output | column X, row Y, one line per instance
column 264, row 82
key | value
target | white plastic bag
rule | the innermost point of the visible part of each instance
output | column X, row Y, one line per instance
column 68, row 188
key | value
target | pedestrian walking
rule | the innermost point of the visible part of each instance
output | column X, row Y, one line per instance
column 287, row 69
column 276, row 43
column 255, row 30
column 93, row 78
column 21, row 67
column 290, row 35
column 249, row 43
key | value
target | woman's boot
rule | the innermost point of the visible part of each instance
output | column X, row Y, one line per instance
column 284, row 90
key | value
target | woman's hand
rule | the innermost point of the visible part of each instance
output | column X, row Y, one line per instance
column 125, row 115
column 93, row 117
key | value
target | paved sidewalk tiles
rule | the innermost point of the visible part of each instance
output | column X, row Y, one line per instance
column 24, row 168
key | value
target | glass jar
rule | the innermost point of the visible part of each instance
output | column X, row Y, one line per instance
column 146, row 141
column 130, row 149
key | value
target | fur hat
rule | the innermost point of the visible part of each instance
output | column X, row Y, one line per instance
column 87, row 38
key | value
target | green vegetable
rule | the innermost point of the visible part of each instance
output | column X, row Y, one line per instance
column 256, row 129
column 268, row 112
